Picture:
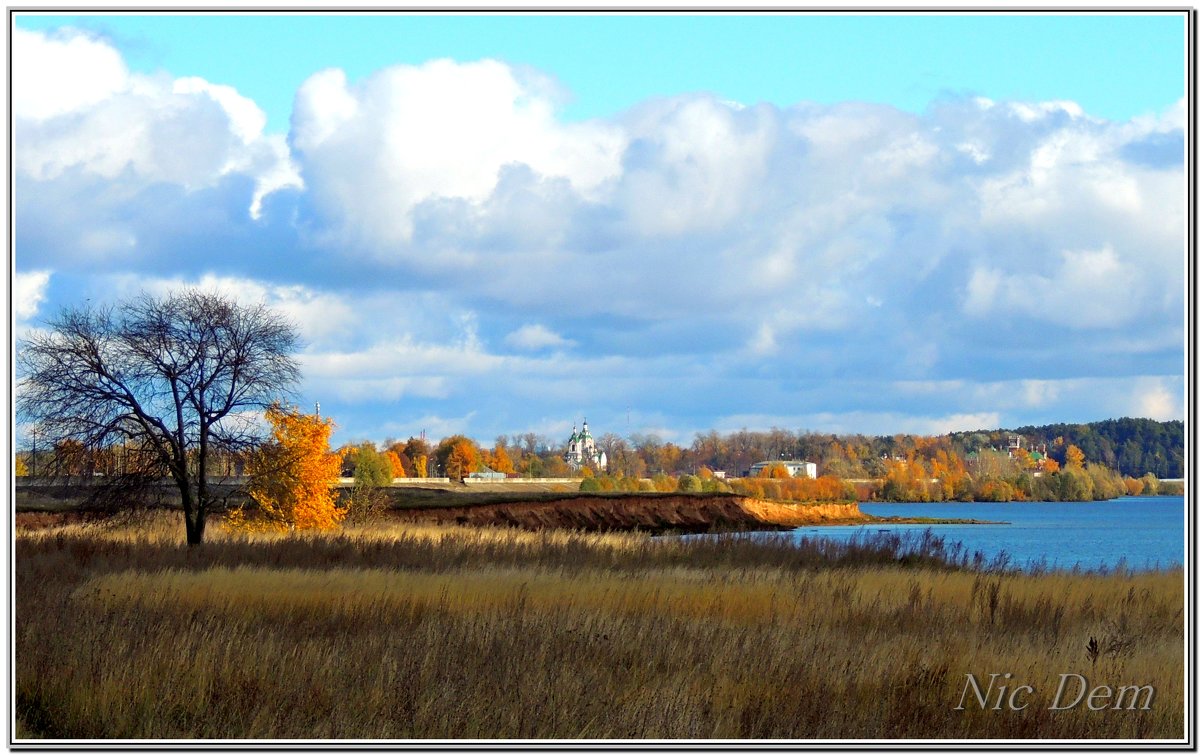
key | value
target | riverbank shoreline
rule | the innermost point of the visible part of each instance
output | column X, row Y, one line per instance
column 926, row 520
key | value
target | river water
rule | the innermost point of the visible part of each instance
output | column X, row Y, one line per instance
column 1137, row 533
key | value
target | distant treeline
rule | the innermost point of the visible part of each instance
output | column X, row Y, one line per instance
column 1130, row 447
column 1133, row 447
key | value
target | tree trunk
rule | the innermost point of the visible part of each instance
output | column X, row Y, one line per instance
column 193, row 514
column 195, row 529
column 201, row 484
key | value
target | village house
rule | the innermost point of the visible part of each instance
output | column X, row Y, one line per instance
column 794, row 468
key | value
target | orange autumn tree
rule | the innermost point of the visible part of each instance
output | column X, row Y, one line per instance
column 393, row 459
column 501, row 461
column 293, row 475
column 462, row 459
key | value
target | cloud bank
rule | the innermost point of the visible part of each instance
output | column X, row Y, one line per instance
column 451, row 247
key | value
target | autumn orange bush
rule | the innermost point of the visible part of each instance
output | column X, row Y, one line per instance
column 394, row 462
column 293, row 476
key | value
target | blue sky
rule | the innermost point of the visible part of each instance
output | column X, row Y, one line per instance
column 667, row 223
column 608, row 63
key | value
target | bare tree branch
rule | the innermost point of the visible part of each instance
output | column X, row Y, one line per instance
column 169, row 374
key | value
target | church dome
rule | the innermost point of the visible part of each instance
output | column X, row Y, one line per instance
column 581, row 449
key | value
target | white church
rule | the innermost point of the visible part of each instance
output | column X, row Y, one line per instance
column 581, row 450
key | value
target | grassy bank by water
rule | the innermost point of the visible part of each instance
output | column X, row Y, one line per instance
column 410, row 631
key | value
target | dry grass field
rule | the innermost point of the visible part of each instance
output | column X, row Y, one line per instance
column 395, row 631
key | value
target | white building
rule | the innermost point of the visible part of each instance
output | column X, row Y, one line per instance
column 487, row 474
column 581, row 450
column 794, row 468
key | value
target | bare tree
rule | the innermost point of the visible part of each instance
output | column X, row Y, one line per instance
column 529, row 442
column 610, row 444
column 181, row 377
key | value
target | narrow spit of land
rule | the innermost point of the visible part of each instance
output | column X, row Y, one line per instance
column 537, row 507
column 676, row 512
column 871, row 519
column 645, row 512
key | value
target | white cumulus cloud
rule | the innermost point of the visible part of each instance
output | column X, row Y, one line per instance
column 1153, row 399
column 374, row 150
column 536, row 336
column 320, row 317
column 77, row 109
column 696, row 165
column 63, row 72
column 29, row 291
column 1100, row 287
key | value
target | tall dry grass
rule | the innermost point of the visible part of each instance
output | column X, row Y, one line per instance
column 423, row 632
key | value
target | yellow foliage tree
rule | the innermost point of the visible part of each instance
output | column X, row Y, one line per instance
column 19, row 468
column 1133, row 486
column 906, row 479
column 556, row 467
column 421, row 466
column 668, row 457
column 349, row 457
column 1074, row 457
column 293, row 475
column 950, row 470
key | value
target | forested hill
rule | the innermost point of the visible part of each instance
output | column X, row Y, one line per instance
column 1133, row 447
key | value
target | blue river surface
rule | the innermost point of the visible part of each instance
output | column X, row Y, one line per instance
column 1137, row 533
